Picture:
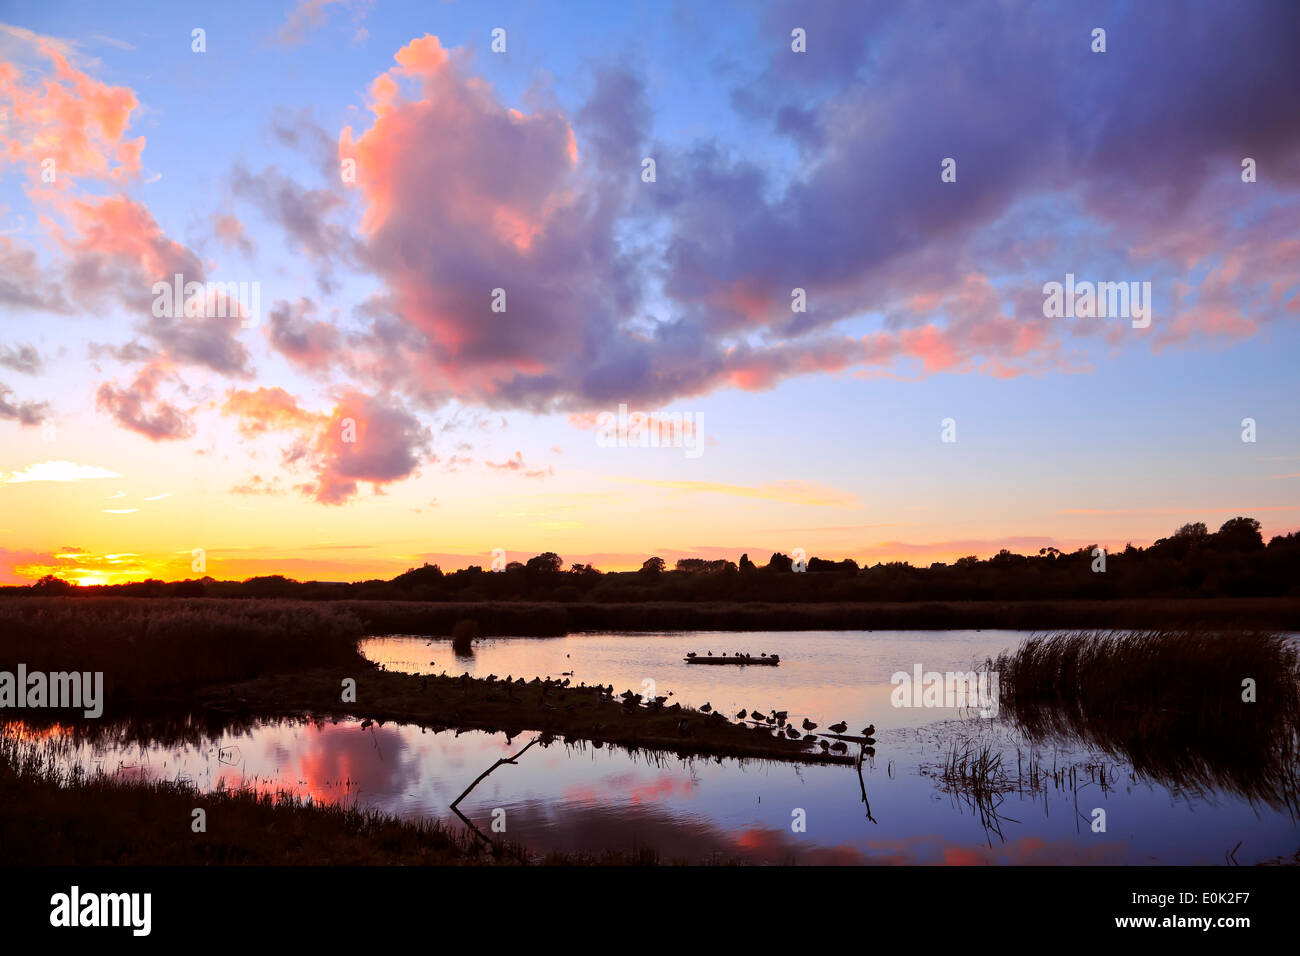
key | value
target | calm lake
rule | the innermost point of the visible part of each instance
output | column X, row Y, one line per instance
column 581, row 798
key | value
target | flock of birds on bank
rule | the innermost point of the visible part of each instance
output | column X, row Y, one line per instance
column 777, row 720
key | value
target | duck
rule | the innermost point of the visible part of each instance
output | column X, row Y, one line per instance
column 808, row 724
column 840, row 727
column 869, row 730
column 792, row 733
column 742, row 715
column 707, row 708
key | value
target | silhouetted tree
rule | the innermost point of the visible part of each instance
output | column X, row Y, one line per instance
column 547, row 562
column 1239, row 534
column 780, row 562
column 53, row 584
column 653, row 567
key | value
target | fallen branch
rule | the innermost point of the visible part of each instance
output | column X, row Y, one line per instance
column 469, row 823
column 480, row 777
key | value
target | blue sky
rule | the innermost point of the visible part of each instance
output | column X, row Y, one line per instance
column 775, row 169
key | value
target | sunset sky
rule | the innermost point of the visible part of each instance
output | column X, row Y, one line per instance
column 129, row 438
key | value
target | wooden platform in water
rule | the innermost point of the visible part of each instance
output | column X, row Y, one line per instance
column 768, row 661
column 850, row 738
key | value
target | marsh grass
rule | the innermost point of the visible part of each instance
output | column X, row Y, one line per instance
column 463, row 634
column 154, row 647
column 1169, row 702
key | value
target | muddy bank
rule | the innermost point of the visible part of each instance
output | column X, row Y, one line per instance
column 574, row 713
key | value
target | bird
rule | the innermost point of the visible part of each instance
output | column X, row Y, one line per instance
column 792, row 733
column 808, row 724
column 691, row 654
column 824, row 745
column 742, row 715
column 868, row 730
column 707, row 708
column 840, row 727
column 781, row 714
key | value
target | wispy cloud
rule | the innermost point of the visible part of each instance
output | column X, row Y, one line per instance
column 57, row 471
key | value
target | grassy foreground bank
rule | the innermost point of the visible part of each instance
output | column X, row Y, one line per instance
column 55, row 818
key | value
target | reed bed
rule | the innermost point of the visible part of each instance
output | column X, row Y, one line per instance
column 1170, row 702
column 152, row 647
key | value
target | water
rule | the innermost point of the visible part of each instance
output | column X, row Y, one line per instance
column 582, row 798
column 825, row 676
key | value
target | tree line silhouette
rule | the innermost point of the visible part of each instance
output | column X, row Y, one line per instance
column 1192, row 562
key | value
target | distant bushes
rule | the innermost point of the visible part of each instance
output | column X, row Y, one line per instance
column 1192, row 563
